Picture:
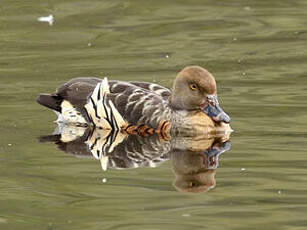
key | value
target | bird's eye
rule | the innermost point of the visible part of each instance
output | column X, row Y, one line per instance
column 193, row 86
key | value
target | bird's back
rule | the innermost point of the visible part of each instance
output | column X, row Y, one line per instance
column 137, row 102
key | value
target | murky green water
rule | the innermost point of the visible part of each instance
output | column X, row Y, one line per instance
column 255, row 49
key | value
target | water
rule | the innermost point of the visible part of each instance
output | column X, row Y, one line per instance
column 255, row 49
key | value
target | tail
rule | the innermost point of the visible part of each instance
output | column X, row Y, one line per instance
column 101, row 111
column 50, row 101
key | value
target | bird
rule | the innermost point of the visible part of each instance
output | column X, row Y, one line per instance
column 190, row 107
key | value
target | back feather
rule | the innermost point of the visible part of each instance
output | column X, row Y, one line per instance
column 101, row 111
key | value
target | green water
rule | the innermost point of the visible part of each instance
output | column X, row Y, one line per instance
column 255, row 49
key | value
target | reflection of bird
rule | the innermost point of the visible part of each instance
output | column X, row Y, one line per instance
column 195, row 171
column 113, row 149
column 139, row 107
column 70, row 139
column 194, row 160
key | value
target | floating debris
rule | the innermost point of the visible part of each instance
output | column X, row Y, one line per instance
column 166, row 56
column 104, row 180
column 279, row 192
column 49, row 19
column 243, row 169
column 89, row 44
column 234, row 39
column 186, row 215
column 9, row 144
column 248, row 8
column 3, row 220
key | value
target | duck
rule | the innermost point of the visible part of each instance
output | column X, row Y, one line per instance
column 190, row 107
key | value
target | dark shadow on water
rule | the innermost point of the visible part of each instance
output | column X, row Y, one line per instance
column 194, row 160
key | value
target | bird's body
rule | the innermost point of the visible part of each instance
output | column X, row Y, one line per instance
column 137, row 107
column 138, row 102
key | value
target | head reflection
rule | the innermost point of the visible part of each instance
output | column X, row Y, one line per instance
column 195, row 170
column 194, row 160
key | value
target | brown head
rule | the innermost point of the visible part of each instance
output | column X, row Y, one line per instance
column 195, row 89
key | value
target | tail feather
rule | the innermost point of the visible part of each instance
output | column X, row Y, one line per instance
column 50, row 101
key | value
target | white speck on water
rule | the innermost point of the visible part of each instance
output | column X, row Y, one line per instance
column 9, row 144
column 167, row 56
column 234, row 39
column 49, row 19
column 3, row 220
column 279, row 192
column 104, row 180
column 244, row 74
column 243, row 169
column 239, row 61
column 186, row 215
column 89, row 44
column 247, row 8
